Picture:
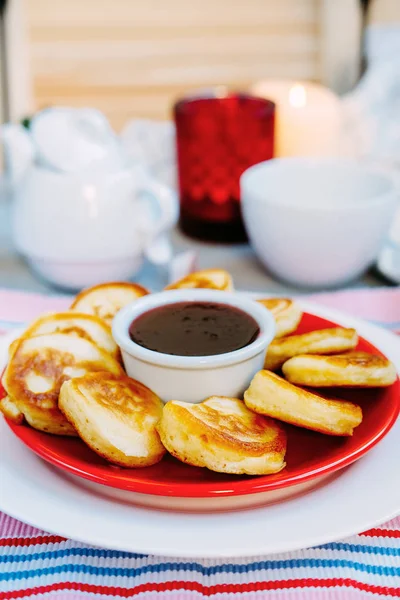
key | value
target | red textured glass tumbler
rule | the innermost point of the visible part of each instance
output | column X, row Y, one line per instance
column 217, row 139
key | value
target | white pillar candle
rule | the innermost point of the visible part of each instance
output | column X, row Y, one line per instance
column 308, row 117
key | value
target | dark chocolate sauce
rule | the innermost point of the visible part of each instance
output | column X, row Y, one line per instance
column 194, row 329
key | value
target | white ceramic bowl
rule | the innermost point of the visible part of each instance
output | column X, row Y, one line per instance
column 193, row 378
column 317, row 222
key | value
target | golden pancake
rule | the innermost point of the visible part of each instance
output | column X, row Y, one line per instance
column 322, row 341
column 273, row 396
column 115, row 416
column 106, row 299
column 353, row 369
column 213, row 279
column 11, row 347
column 37, row 369
column 11, row 411
column 223, row 435
column 80, row 324
column 286, row 312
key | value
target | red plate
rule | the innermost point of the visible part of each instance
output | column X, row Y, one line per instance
column 309, row 455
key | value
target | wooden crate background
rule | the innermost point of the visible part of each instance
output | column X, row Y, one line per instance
column 132, row 58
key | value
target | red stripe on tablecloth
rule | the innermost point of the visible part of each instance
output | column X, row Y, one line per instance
column 194, row 586
column 377, row 532
column 40, row 539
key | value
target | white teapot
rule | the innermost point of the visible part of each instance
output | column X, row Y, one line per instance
column 78, row 228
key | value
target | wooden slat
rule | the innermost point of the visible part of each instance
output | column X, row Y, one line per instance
column 202, row 45
column 385, row 11
column 190, row 75
column 120, row 13
column 132, row 32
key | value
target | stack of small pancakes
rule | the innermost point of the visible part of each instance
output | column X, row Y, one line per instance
column 65, row 377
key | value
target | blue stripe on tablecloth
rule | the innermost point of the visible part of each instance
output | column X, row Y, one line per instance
column 70, row 552
column 386, row 325
column 9, row 325
column 99, row 553
column 313, row 563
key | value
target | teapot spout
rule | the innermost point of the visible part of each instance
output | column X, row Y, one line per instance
column 18, row 150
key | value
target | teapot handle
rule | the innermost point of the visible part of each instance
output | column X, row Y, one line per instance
column 160, row 199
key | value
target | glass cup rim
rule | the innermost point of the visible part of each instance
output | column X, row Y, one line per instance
column 220, row 95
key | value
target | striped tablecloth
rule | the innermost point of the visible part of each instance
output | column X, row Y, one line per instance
column 34, row 564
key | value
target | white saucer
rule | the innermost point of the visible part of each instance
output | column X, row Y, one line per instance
column 363, row 496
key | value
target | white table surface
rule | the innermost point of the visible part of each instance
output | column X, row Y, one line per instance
column 238, row 259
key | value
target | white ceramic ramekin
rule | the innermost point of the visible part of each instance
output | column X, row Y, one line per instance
column 193, row 378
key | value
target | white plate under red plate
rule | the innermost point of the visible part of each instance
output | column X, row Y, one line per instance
column 362, row 496
column 311, row 457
